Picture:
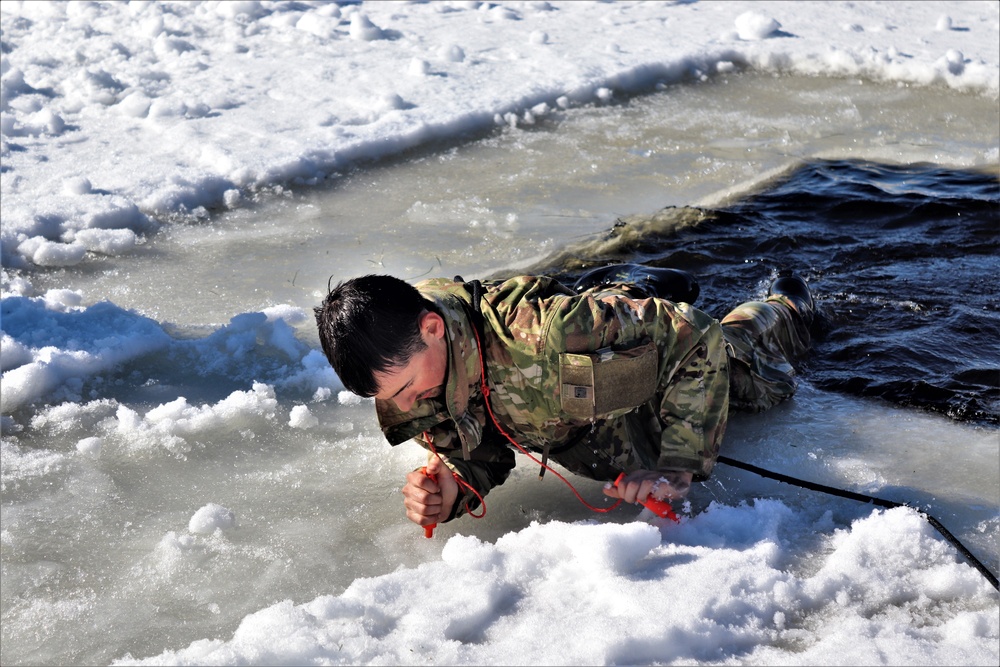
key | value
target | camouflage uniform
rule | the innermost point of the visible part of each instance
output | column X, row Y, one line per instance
column 604, row 382
column 762, row 338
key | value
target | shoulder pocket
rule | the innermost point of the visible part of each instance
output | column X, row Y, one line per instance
column 607, row 383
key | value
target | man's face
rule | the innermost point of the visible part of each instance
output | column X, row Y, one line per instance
column 423, row 376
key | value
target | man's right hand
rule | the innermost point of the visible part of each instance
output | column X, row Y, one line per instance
column 639, row 484
column 427, row 501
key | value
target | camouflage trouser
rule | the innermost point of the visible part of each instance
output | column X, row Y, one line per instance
column 763, row 338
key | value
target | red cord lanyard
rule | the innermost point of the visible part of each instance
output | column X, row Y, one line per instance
column 496, row 422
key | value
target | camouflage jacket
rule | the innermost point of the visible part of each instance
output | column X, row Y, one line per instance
column 559, row 364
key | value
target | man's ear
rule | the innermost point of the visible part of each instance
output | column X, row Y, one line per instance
column 432, row 324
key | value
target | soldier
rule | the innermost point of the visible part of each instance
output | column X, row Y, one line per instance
column 618, row 375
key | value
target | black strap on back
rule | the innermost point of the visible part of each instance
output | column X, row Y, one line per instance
column 476, row 290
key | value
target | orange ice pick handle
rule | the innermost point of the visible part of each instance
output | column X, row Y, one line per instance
column 660, row 508
column 429, row 528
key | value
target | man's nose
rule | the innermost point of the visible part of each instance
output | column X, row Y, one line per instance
column 404, row 403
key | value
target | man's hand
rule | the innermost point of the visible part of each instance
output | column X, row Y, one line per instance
column 639, row 484
column 427, row 501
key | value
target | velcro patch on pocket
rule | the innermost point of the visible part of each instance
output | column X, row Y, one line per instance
column 597, row 384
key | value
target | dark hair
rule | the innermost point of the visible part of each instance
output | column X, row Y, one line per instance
column 369, row 325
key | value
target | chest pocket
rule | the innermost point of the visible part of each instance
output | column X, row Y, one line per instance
column 607, row 383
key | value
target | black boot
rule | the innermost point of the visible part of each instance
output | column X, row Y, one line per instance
column 670, row 284
column 797, row 290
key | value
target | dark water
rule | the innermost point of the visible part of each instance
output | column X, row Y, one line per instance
column 904, row 262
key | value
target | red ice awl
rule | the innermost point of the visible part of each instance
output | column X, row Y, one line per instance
column 429, row 528
column 660, row 508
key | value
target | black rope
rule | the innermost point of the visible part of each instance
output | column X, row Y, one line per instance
column 812, row 486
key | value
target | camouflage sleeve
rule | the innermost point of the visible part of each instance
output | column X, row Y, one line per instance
column 694, row 408
column 489, row 464
column 693, row 385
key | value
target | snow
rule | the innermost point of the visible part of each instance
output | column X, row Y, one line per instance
column 753, row 25
column 210, row 518
column 90, row 446
column 301, row 417
column 120, row 120
column 622, row 594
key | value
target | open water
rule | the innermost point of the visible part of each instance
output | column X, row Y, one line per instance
column 904, row 262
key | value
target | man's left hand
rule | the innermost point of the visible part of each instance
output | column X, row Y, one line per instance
column 639, row 484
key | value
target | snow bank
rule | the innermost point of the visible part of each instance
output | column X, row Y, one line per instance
column 627, row 594
column 53, row 350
